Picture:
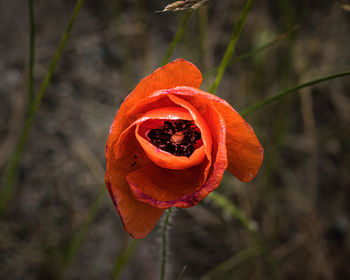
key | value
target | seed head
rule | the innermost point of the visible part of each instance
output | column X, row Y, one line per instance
column 184, row 5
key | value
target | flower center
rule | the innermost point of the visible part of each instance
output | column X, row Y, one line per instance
column 178, row 137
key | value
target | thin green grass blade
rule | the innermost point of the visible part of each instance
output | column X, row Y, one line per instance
column 225, row 204
column 265, row 46
column 123, row 258
column 203, row 28
column 285, row 92
column 31, row 52
column 257, row 50
column 11, row 169
column 226, row 60
column 80, row 235
column 228, row 265
column 259, row 248
column 178, row 35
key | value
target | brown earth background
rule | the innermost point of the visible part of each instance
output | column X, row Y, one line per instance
column 300, row 198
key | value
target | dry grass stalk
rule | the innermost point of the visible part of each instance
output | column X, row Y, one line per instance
column 184, row 5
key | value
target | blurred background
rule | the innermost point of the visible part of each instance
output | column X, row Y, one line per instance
column 61, row 223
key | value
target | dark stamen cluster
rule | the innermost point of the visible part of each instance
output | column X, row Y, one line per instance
column 178, row 137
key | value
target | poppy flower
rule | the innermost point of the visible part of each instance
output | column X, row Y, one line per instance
column 170, row 144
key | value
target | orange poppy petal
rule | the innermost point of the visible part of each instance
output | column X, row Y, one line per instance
column 165, row 159
column 177, row 73
column 160, row 103
column 138, row 218
column 164, row 188
column 168, row 185
column 160, row 157
column 219, row 165
column 244, row 151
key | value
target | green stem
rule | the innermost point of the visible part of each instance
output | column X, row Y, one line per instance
column 231, row 47
column 164, row 243
column 79, row 237
column 203, row 27
column 251, row 226
column 228, row 206
column 256, row 51
column 10, row 173
column 285, row 92
column 31, row 53
column 265, row 46
column 222, row 270
column 179, row 33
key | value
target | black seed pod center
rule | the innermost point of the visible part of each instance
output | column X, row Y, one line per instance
column 178, row 137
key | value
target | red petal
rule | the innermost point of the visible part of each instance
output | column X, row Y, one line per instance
column 165, row 188
column 177, row 73
column 161, row 187
column 219, row 165
column 244, row 151
column 138, row 218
